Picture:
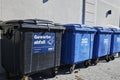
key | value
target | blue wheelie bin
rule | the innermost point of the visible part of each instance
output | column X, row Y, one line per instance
column 102, row 43
column 77, row 45
column 115, row 42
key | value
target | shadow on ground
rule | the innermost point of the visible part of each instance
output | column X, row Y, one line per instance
column 63, row 70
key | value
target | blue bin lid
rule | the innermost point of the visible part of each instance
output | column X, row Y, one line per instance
column 79, row 27
column 103, row 30
column 115, row 30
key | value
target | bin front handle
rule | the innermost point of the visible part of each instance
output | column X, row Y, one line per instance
column 114, row 29
column 8, row 33
column 99, row 28
column 48, row 27
column 38, row 21
column 90, row 27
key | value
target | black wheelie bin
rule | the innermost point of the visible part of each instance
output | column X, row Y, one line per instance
column 30, row 46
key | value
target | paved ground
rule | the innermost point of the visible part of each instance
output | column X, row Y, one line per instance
column 102, row 71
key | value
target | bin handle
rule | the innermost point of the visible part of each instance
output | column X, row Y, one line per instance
column 8, row 33
column 48, row 27
column 38, row 21
column 114, row 29
column 99, row 28
column 90, row 27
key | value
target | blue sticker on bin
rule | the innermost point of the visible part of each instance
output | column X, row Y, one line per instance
column 43, row 42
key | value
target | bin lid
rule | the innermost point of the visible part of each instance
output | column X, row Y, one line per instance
column 79, row 27
column 33, row 23
column 103, row 29
column 115, row 30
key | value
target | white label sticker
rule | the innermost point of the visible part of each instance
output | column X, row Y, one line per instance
column 118, row 39
column 106, row 41
column 84, row 40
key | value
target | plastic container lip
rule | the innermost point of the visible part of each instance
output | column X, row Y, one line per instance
column 79, row 27
column 115, row 30
column 32, row 23
column 103, row 29
column 73, row 25
column 29, row 21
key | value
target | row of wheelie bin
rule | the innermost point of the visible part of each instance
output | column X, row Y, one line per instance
column 85, row 44
column 32, row 45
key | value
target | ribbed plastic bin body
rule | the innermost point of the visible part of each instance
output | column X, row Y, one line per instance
column 102, row 42
column 115, row 41
column 29, row 46
column 77, row 44
column 1, row 68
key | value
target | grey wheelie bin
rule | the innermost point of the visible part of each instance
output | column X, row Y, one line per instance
column 1, row 68
column 30, row 46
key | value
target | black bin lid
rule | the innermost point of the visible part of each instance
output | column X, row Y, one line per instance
column 30, row 21
column 34, row 23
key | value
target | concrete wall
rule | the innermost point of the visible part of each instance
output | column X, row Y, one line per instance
column 102, row 19
column 114, row 3
column 90, row 7
column 62, row 11
column 95, row 12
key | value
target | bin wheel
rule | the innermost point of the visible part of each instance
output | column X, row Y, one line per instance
column 112, row 57
column 54, row 71
column 94, row 61
column 26, row 78
column 107, row 58
column 72, row 68
column 87, row 64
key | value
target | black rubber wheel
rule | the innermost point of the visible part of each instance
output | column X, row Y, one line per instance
column 53, row 74
column 107, row 59
column 94, row 61
column 112, row 57
column 26, row 78
column 54, row 71
column 86, row 64
column 72, row 68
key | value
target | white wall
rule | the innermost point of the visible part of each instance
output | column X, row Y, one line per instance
column 114, row 2
column 102, row 8
column 90, row 7
column 95, row 12
column 62, row 11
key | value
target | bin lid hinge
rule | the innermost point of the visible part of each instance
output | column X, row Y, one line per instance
column 48, row 25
